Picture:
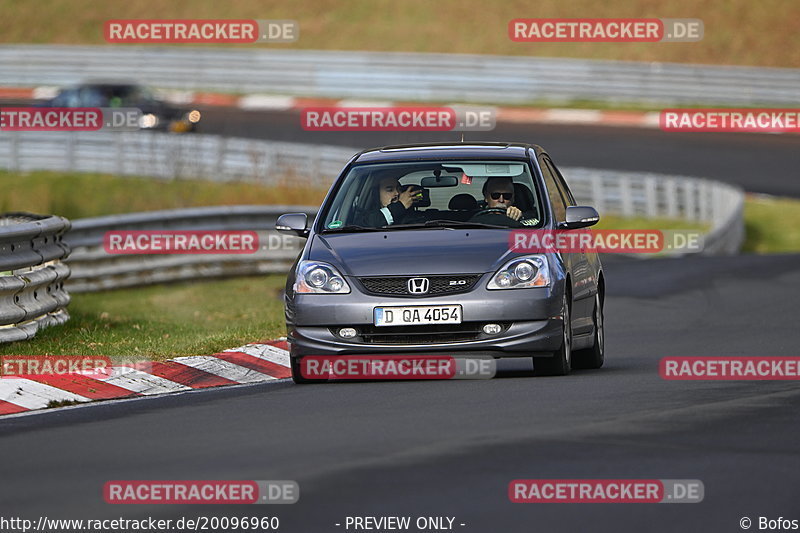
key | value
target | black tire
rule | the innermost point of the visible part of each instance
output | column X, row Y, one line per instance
column 297, row 376
column 560, row 363
column 595, row 356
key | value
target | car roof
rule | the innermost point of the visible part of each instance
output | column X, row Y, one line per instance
column 454, row 150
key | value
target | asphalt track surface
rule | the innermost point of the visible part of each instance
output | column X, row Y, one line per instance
column 450, row 448
column 758, row 162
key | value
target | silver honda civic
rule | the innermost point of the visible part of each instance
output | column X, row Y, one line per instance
column 412, row 252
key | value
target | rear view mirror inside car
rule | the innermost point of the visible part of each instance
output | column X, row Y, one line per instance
column 439, row 181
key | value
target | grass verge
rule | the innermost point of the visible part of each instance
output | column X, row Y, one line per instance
column 772, row 225
column 738, row 32
column 77, row 195
column 165, row 321
column 618, row 222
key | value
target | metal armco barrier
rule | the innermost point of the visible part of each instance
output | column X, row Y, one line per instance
column 223, row 159
column 649, row 195
column 162, row 155
column 93, row 268
column 32, row 274
column 216, row 158
column 625, row 193
column 498, row 80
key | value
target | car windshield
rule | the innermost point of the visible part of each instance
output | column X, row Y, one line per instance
column 396, row 196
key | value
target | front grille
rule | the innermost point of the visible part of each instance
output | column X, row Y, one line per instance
column 439, row 285
column 431, row 334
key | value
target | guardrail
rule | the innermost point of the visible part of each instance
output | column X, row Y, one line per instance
column 402, row 76
column 651, row 195
column 223, row 159
column 93, row 268
column 628, row 194
column 625, row 193
column 32, row 274
column 161, row 155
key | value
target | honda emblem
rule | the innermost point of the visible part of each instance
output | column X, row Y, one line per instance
column 418, row 285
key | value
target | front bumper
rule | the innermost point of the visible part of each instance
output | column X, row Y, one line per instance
column 531, row 319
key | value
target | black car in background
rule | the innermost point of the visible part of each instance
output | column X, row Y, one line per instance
column 156, row 113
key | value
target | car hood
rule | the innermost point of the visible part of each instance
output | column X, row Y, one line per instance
column 411, row 252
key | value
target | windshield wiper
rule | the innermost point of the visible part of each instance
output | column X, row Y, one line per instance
column 350, row 228
column 449, row 224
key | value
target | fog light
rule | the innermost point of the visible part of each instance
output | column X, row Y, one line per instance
column 347, row 333
column 492, row 329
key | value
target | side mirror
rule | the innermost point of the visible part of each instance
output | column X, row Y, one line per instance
column 293, row 224
column 580, row 216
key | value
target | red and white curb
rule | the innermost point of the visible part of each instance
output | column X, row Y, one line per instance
column 289, row 103
column 519, row 115
column 252, row 363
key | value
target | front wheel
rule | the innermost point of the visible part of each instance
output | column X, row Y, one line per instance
column 595, row 356
column 560, row 363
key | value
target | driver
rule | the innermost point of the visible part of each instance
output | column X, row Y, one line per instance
column 498, row 193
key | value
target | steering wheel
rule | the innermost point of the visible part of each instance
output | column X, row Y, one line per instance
column 491, row 210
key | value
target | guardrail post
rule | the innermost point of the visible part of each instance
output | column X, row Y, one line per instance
column 598, row 193
column 219, row 164
column 671, row 198
column 651, row 204
column 625, row 196
column 705, row 199
column 689, row 199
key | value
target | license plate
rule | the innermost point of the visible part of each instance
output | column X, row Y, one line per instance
column 417, row 315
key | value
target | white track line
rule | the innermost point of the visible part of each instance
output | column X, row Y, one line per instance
column 575, row 116
column 364, row 103
column 266, row 101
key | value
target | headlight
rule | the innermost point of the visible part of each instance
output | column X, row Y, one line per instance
column 148, row 121
column 522, row 273
column 317, row 277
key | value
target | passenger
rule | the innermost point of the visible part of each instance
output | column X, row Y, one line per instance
column 395, row 204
